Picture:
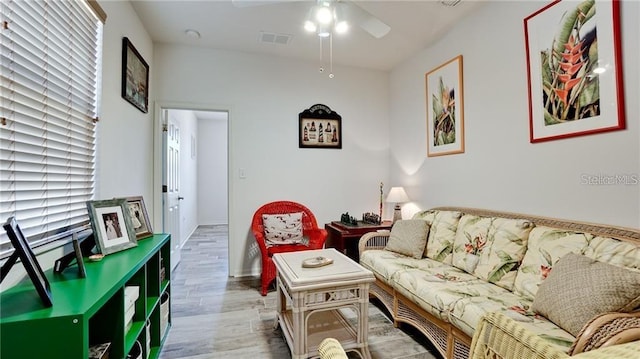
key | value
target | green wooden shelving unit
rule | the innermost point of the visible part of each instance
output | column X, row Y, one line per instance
column 89, row 311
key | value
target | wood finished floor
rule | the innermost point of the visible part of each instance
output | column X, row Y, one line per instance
column 215, row 316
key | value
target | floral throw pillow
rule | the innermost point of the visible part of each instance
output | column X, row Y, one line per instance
column 282, row 228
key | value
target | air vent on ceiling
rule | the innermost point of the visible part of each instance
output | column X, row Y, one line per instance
column 450, row 2
column 273, row 38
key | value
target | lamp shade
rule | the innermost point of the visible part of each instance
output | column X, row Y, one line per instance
column 397, row 195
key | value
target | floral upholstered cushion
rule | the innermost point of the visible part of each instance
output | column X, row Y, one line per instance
column 282, row 228
column 545, row 246
column 579, row 288
column 469, row 242
column 505, row 247
column 441, row 235
column 467, row 312
column 614, row 251
column 408, row 237
column 437, row 289
column 427, row 215
column 385, row 264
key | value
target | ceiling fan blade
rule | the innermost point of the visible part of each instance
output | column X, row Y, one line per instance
column 366, row 21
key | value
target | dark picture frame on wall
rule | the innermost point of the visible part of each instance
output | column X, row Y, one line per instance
column 24, row 252
column 135, row 77
column 574, row 68
column 319, row 127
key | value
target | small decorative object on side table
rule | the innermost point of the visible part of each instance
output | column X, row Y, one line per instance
column 345, row 237
column 371, row 218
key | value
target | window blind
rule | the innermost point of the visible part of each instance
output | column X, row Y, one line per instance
column 50, row 55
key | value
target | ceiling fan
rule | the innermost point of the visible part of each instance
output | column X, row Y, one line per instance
column 341, row 10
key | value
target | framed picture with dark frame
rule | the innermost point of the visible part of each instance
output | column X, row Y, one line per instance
column 139, row 217
column 112, row 227
column 135, row 77
column 319, row 127
column 24, row 252
column 574, row 68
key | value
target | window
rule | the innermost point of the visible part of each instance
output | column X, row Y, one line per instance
column 50, row 54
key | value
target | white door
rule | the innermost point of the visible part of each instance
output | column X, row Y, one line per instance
column 171, row 185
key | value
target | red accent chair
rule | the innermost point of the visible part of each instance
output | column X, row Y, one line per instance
column 310, row 229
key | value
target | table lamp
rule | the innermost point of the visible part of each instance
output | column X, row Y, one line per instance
column 397, row 195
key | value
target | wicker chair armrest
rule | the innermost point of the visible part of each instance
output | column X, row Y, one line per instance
column 373, row 240
column 260, row 240
column 606, row 330
column 330, row 348
column 500, row 337
column 317, row 237
column 623, row 351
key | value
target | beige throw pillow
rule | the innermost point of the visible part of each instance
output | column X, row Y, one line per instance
column 579, row 288
column 408, row 237
column 282, row 228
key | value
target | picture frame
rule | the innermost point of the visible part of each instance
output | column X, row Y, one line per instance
column 67, row 260
column 319, row 127
column 135, row 76
column 82, row 273
column 24, row 252
column 112, row 227
column 139, row 217
column 445, row 108
column 574, row 69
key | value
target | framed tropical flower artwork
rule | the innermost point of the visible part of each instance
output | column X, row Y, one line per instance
column 574, row 69
column 445, row 111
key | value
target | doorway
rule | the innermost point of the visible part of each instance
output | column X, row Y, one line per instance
column 191, row 176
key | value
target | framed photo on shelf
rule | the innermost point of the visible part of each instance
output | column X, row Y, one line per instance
column 319, row 127
column 445, row 109
column 139, row 217
column 78, row 252
column 24, row 252
column 574, row 69
column 135, row 77
column 112, row 227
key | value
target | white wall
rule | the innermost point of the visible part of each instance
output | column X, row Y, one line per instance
column 212, row 171
column 264, row 95
column 500, row 169
column 125, row 134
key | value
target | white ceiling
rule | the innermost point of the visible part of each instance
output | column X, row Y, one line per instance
column 414, row 25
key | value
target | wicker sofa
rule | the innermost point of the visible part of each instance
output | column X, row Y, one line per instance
column 448, row 267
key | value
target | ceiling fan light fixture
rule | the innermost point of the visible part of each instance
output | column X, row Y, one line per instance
column 341, row 27
column 310, row 26
column 324, row 15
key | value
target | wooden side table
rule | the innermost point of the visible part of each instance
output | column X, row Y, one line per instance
column 344, row 237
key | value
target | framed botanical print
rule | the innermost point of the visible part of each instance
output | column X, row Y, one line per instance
column 574, row 69
column 445, row 109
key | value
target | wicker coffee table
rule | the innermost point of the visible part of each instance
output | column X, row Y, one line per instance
column 312, row 301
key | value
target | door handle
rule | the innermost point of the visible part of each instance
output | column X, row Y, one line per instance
column 180, row 198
